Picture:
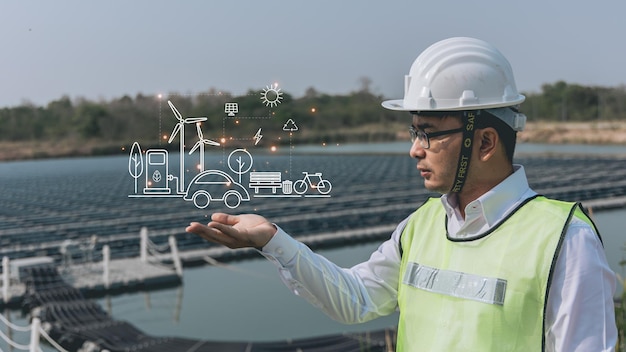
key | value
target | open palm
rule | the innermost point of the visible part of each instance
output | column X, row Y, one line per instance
column 235, row 231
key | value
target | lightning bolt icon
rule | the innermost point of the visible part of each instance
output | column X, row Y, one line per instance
column 257, row 137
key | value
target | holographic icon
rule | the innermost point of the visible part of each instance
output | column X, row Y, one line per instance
column 231, row 109
column 152, row 166
column 179, row 129
column 265, row 179
column 311, row 185
column 257, row 137
column 215, row 185
column 200, row 144
column 240, row 162
column 271, row 96
column 313, row 181
column 135, row 163
column 290, row 126
column 157, row 172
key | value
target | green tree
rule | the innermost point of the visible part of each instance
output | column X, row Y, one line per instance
column 90, row 119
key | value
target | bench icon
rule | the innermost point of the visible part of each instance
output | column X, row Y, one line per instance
column 265, row 180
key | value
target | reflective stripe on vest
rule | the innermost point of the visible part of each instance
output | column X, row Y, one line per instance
column 453, row 283
column 486, row 294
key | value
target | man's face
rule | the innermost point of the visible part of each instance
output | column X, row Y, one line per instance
column 437, row 164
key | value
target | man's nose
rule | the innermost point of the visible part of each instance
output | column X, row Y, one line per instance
column 417, row 151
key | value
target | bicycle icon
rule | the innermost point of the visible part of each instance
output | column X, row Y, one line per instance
column 322, row 186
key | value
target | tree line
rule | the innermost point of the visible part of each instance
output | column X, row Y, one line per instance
column 323, row 117
column 561, row 101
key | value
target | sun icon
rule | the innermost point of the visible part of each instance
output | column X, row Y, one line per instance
column 271, row 95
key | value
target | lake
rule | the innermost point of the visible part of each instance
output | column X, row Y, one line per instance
column 246, row 300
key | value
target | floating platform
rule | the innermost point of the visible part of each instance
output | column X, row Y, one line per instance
column 127, row 274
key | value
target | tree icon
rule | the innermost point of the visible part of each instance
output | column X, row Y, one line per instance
column 239, row 162
column 135, row 163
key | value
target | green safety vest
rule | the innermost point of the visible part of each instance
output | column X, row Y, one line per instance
column 484, row 294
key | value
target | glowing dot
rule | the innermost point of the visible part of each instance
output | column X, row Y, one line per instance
column 199, row 167
column 313, row 110
column 223, row 140
column 123, row 148
column 237, row 121
column 324, row 144
column 273, row 148
column 160, row 96
column 164, row 136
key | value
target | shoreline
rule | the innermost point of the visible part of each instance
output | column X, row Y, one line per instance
column 608, row 133
column 597, row 133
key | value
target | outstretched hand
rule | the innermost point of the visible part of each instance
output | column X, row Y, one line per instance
column 235, row 231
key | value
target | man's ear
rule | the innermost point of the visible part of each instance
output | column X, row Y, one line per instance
column 488, row 140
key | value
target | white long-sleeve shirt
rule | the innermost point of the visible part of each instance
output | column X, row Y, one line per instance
column 580, row 314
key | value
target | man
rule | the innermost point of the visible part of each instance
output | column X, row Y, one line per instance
column 489, row 266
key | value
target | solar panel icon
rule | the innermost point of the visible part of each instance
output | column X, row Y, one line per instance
column 231, row 109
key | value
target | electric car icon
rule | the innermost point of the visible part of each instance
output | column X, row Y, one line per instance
column 215, row 185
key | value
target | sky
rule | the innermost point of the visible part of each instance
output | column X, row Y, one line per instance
column 107, row 49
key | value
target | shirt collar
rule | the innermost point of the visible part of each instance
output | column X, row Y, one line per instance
column 486, row 211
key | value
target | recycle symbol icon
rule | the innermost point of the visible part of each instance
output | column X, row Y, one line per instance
column 290, row 125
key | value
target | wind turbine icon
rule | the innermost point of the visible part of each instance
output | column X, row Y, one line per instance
column 180, row 129
column 200, row 144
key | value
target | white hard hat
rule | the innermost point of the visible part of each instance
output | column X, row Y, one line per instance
column 461, row 74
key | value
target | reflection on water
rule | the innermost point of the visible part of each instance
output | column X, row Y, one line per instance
column 240, row 301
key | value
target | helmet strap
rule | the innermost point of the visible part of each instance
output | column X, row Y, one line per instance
column 466, row 150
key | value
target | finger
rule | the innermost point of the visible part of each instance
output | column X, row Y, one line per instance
column 195, row 227
column 225, row 218
column 201, row 230
column 209, row 233
column 225, row 229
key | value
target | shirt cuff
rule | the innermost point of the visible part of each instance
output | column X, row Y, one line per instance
column 281, row 248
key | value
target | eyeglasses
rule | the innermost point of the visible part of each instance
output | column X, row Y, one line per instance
column 424, row 137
